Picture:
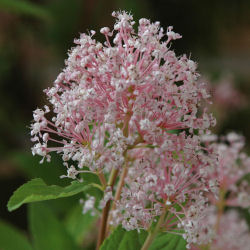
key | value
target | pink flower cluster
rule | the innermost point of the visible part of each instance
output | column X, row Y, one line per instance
column 132, row 106
column 134, row 87
column 226, row 95
column 233, row 165
column 226, row 230
column 174, row 176
column 232, row 233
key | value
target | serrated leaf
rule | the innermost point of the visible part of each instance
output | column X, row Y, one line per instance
column 12, row 239
column 168, row 241
column 47, row 231
column 79, row 224
column 120, row 239
column 38, row 190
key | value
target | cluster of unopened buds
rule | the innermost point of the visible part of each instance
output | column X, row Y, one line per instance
column 130, row 111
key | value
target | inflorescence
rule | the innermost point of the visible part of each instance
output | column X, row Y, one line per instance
column 131, row 106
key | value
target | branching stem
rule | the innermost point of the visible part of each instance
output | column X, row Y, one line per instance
column 118, row 191
column 104, row 229
column 102, row 178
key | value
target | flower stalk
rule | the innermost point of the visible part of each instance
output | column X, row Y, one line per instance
column 102, row 230
column 152, row 233
column 105, row 211
column 220, row 206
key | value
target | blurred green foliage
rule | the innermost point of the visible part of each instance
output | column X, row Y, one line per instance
column 47, row 231
column 34, row 39
column 25, row 8
column 12, row 237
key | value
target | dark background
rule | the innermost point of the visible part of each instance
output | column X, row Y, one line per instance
column 36, row 35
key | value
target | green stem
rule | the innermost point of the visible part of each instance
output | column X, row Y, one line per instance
column 113, row 176
column 152, row 234
column 220, row 207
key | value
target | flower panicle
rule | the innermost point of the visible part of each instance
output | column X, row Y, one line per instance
column 129, row 108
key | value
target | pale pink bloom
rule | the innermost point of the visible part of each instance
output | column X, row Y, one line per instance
column 133, row 88
column 175, row 175
column 226, row 95
column 233, row 165
column 232, row 234
column 131, row 85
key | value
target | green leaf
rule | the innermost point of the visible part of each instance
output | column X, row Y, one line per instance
column 38, row 190
column 47, row 231
column 25, row 7
column 79, row 224
column 120, row 239
column 12, row 239
column 167, row 241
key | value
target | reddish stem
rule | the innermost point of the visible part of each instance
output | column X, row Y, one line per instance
column 105, row 211
column 102, row 230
